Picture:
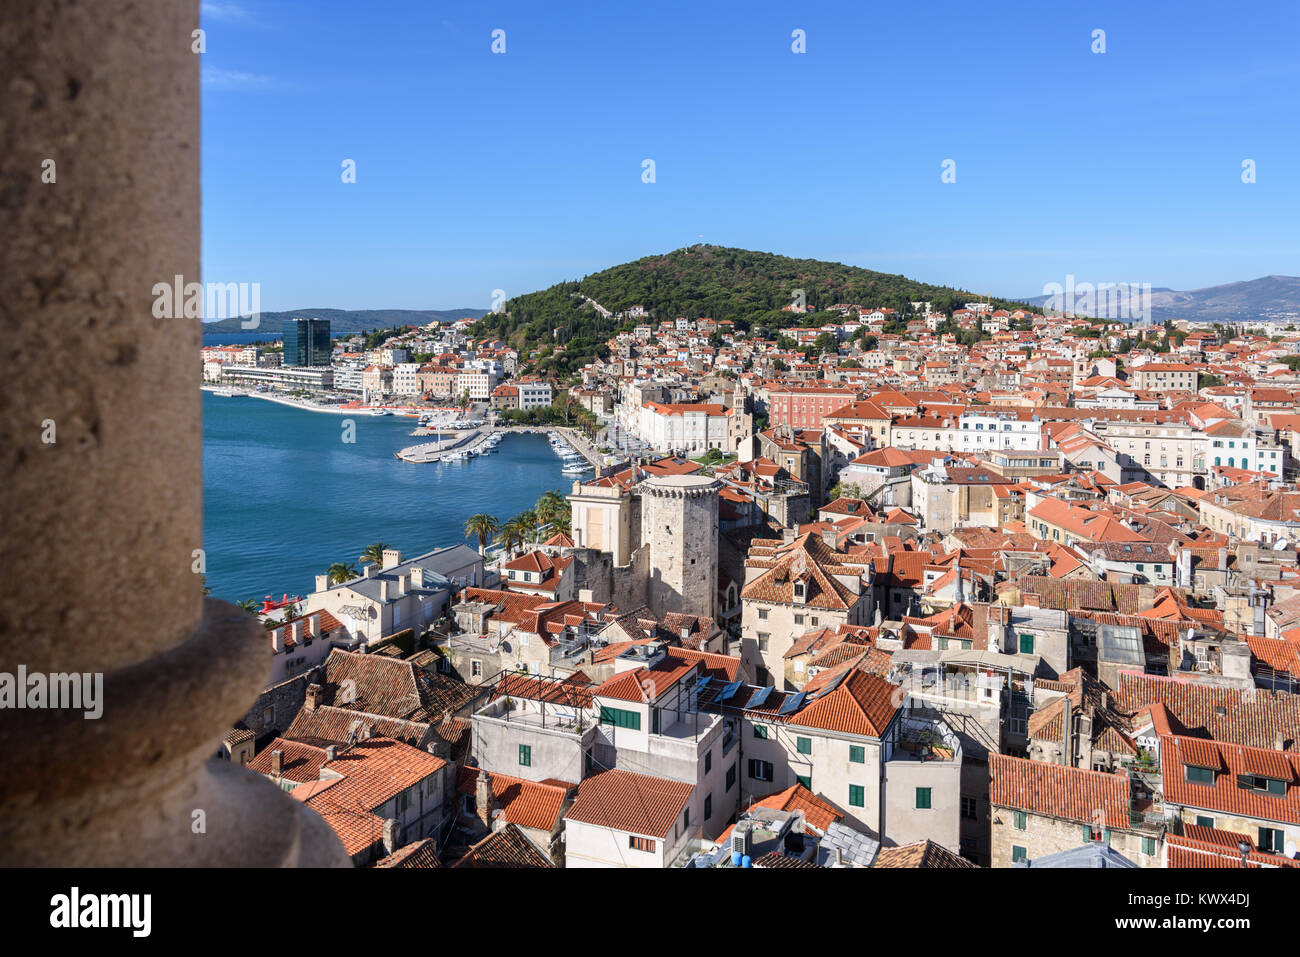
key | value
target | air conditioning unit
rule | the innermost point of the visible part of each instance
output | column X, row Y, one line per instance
column 742, row 841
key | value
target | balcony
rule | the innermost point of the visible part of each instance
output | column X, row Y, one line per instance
column 925, row 739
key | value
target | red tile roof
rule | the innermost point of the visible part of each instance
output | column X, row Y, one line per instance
column 1225, row 795
column 635, row 803
column 527, row 803
column 1055, row 790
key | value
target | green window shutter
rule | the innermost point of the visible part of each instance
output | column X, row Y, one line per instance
column 857, row 796
column 805, row 780
column 708, row 761
column 708, row 806
column 731, row 777
column 1203, row 821
column 1020, row 819
column 620, row 718
column 803, row 745
column 1026, row 644
column 526, row 755
column 923, row 799
column 760, row 731
column 1148, row 846
column 1087, row 833
column 1017, row 854
column 1105, row 835
column 857, row 754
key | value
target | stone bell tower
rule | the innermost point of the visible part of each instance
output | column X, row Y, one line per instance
column 679, row 527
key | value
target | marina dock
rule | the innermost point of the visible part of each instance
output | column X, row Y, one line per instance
column 475, row 440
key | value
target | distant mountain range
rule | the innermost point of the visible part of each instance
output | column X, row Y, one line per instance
column 346, row 320
column 1256, row 300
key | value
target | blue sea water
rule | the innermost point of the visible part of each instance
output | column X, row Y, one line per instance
column 284, row 496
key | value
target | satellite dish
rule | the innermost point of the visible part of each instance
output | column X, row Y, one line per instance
column 1290, row 849
column 1281, row 545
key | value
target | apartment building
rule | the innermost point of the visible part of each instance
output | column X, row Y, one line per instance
column 1244, row 793
column 945, row 497
column 534, row 393
column 986, row 429
column 1040, row 809
column 1168, row 453
column 791, row 588
column 851, row 738
column 803, row 407
column 1164, row 377
column 389, row 598
column 684, row 427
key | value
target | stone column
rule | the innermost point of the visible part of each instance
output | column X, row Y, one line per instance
column 100, row 439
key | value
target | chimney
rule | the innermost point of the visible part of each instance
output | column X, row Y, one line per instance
column 392, row 557
column 277, row 640
column 1067, row 752
column 313, row 697
column 484, row 799
column 322, row 582
column 297, row 631
column 828, row 536
column 383, row 589
column 369, row 570
column 331, row 753
column 417, row 577
column 402, row 581
column 277, row 762
column 313, row 626
column 392, row 835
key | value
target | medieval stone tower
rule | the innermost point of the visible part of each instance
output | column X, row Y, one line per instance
column 679, row 530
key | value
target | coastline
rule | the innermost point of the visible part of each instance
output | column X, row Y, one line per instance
column 305, row 405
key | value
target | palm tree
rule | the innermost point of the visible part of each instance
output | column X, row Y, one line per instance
column 549, row 506
column 250, row 605
column 340, row 572
column 527, row 522
column 512, row 534
column 482, row 525
column 563, row 520
column 374, row 553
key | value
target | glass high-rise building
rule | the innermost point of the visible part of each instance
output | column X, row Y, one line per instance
column 307, row 342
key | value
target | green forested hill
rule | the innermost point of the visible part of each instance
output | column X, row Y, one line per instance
column 749, row 288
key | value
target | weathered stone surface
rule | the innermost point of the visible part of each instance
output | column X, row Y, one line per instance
column 99, row 527
column 111, row 511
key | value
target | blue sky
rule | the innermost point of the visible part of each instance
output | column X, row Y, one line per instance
column 479, row 171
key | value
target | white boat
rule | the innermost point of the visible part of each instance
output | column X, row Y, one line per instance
column 380, row 412
column 575, row 469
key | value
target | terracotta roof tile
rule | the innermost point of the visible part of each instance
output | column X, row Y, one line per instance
column 635, row 803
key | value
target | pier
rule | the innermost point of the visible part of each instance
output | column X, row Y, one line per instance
column 471, row 442
column 437, row 451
